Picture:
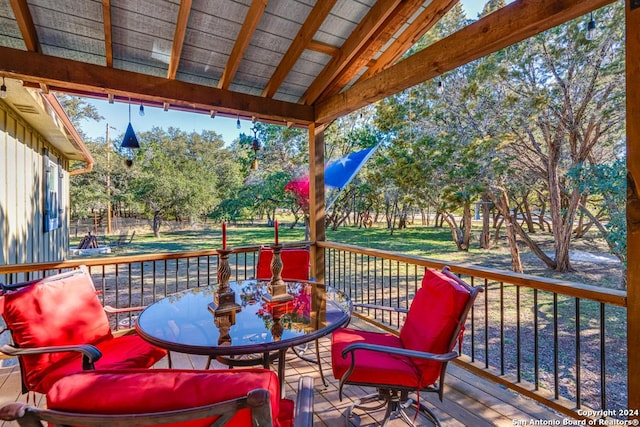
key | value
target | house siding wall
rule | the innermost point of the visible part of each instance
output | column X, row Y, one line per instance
column 22, row 184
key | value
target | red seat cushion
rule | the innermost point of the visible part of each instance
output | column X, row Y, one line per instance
column 65, row 310
column 372, row 367
column 156, row 390
column 295, row 264
column 434, row 315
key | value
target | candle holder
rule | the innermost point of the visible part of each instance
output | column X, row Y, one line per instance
column 224, row 322
column 277, row 288
column 225, row 298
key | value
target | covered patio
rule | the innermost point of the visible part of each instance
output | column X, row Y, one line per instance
column 305, row 65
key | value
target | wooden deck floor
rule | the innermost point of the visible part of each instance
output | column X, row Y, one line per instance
column 469, row 400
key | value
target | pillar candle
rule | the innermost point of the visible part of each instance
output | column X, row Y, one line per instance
column 276, row 231
column 224, row 235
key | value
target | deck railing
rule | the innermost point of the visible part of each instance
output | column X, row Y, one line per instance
column 558, row 342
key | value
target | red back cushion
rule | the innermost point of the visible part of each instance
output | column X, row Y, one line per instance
column 138, row 391
column 58, row 310
column 434, row 315
column 295, row 264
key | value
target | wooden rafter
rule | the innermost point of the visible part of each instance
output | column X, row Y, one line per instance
column 25, row 23
column 108, row 38
column 178, row 38
column 242, row 41
column 425, row 21
column 325, row 48
column 385, row 32
column 73, row 76
column 513, row 23
column 313, row 22
column 358, row 40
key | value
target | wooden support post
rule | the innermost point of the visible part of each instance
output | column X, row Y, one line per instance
column 316, row 199
column 633, row 201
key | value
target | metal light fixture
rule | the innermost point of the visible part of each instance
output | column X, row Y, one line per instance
column 141, row 111
column 591, row 29
column 130, row 140
column 3, row 89
column 255, row 146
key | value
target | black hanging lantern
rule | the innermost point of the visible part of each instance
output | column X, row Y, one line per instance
column 130, row 140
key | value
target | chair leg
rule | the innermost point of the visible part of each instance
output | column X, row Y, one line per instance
column 405, row 403
column 299, row 351
column 397, row 404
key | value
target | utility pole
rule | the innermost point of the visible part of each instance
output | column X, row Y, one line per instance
column 108, row 141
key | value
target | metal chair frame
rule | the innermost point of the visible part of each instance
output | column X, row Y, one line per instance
column 396, row 398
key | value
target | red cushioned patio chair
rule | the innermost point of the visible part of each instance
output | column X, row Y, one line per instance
column 295, row 263
column 59, row 327
column 414, row 361
column 242, row 397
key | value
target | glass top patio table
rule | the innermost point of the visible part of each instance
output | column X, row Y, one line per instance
column 184, row 322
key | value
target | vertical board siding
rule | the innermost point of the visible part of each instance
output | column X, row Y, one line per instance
column 22, row 236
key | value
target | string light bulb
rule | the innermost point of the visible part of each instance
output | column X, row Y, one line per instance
column 440, row 88
column 591, row 29
column 238, row 125
column 141, row 111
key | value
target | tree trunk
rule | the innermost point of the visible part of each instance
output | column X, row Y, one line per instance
column 485, row 237
column 502, row 203
column 157, row 220
column 466, row 226
column 561, row 220
column 526, row 212
column 456, row 232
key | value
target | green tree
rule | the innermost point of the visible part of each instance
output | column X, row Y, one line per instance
column 177, row 174
column 565, row 107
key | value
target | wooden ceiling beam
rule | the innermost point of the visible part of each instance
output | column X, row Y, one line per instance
column 251, row 21
column 314, row 20
column 325, row 48
column 385, row 32
column 66, row 74
column 108, row 35
column 513, row 23
column 26, row 25
column 359, row 39
column 423, row 23
column 178, row 38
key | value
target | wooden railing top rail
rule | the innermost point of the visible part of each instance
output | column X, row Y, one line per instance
column 564, row 287
column 578, row 290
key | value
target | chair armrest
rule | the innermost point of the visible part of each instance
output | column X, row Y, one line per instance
column 400, row 352
column 303, row 416
column 90, row 354
column 113, row 310
column 13, row 411
column 381, row 307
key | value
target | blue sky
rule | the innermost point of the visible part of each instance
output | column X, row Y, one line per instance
column 117, row 115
